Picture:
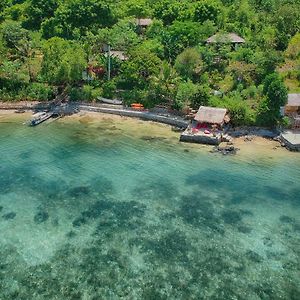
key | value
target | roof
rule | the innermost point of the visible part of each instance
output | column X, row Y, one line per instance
column 117, row 54
column 144, row 22
column 293, row 100
column 225, row 38
column 211, row 115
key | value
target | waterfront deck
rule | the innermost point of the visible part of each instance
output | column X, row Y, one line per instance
column 200, row 137
column 291, row 138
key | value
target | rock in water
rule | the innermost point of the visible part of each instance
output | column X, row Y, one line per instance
column 41, row 217
column 9, row 216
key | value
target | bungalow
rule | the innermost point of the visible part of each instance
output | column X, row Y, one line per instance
column 292, row 109
column 117, row 54
column 293, row 104
column 226, row 38
column 144, row 22
column 207, row 127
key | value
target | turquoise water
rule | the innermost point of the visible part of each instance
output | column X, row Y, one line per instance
column 91, row 210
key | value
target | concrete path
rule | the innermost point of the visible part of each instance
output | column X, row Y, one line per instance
column 292, row 139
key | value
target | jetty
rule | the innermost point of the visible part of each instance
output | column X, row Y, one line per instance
column 40, row 117
column 291, row 139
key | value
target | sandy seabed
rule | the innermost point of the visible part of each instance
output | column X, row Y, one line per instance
column 97, row 206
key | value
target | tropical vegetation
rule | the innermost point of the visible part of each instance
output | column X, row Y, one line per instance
column 49, row 47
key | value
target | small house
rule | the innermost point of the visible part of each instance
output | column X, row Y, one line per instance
column 226, row 38
column 293, row 105
column 144, row 22
column 207, row 127
column 117, row 54
column 292, row 109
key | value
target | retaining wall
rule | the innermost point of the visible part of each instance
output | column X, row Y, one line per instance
column 170, row 120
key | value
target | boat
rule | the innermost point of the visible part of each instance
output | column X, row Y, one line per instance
column 110, row 101
column 40, row 117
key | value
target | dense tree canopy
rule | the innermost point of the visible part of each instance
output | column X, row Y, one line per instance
column 46, row 43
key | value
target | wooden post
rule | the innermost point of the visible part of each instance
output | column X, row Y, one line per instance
column 108, row 76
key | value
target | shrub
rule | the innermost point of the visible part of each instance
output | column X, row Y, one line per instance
column 39, row 91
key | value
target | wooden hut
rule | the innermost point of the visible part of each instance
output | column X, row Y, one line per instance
column 144, row 22
column 207, row 126
column 226, row 38
column 292, row 110
column 117, row 54
column 293, row 104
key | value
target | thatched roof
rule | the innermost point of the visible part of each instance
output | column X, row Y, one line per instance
column 225, row 38
column 117, row 54
column 293, row 100
column 211, row 115
column 144, row 22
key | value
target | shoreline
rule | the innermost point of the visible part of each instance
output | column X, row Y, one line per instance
column 248, row 144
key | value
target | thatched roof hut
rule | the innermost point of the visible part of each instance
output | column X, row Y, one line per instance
column 293, row 100
column 293, row 104
column 211, row 115
column 223, row 38
column 117, row 54
column 144, row 22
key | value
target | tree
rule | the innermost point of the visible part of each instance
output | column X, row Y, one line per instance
column 73, row 19
column 63, row 62
column 293, row 50
column 275, row 96
column 179, row 36
column 39, row 10
column 206, row 10
column 188, row 63
column 136, row 72
column 164, row 84
column 201, row 96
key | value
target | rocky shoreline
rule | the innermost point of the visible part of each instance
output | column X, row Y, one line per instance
column 248, row 134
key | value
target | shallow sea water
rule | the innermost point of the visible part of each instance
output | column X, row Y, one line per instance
column 118, row 209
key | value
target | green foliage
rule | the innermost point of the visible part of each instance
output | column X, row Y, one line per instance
column 201, row 96
column 239, row 110
column 171, row 10
column 188, row 63
column 63, row 61
column 164, row 85
column 39, row 10
column 181, row 35
column 84, row 93
column 137, row 71
column 47, row 43
column 39, row 91
column 293, row 50
column 75, row 18
column 206, row 10
column 185, row 94
column 275, row 96
column 109, row 89
column 14, row 35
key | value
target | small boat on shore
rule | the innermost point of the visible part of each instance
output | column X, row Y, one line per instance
column 110, row 101
column 40, row 117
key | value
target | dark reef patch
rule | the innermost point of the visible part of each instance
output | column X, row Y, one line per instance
column 1, row 207
column 231, row 217
column 244, row 229
column 286, row 219
column 199, row 211
column 253, row 256
column 9, row 216
column 41, row 217
column 160, row 189
column 70, row 234
column 171, row 246
column 102, row 185
column 120, row 213
column 79, row 191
